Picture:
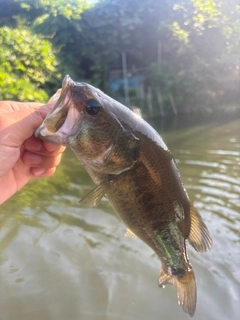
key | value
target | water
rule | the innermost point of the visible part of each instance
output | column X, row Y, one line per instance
column 59, row 261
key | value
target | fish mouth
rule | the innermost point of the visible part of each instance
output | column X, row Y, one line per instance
column 67, row 81
column 64, row 120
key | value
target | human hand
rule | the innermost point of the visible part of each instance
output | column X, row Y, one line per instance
column 23, row 156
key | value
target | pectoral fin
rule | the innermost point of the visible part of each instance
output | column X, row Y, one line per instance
column 92, row 198
column 130, row 234
column 199, row 236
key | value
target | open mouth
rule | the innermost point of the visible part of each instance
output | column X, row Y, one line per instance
column 64, row 120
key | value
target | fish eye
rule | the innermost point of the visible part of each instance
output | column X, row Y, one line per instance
column 93, row 107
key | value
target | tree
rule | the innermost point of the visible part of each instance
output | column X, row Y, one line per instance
column 189, row 49
column 61, row 24
column 55, row 21
column 27, row 63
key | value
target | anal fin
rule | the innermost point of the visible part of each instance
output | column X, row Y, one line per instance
column 199, row 236
column 164, row 279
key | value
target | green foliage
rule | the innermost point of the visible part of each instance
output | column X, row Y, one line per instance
column 26, row 63
column 70, row 9
column 60, row 23
column 188, row 49
column 208, row 34
column 34, row 70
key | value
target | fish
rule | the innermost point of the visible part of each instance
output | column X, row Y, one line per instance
column 133, row 168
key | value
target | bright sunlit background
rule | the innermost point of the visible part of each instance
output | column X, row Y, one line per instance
column 178, row 60
column 165, row 56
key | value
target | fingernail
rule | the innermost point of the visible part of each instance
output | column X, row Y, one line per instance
column 39, row 171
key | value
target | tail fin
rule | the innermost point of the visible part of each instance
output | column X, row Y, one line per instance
column 186, row 288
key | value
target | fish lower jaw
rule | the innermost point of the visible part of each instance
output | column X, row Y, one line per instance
column 54, row 137
column 43, row 132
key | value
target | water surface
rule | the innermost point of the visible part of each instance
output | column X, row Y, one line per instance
column 59, row 261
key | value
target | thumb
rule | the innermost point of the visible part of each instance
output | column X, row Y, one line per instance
column 38, row 114
column 20, row 124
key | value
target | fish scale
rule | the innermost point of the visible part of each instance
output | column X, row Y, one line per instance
column 133, row 168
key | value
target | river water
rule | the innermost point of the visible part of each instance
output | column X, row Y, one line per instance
column 59, row 261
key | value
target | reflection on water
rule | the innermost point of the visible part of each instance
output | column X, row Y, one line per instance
column 59, row 261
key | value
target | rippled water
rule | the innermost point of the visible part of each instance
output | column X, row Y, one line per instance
column 59, row 261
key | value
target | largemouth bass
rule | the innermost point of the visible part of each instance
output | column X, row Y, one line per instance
column 133, row 168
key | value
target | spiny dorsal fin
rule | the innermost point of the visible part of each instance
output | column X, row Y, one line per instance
column 92, row 198
column 199, row 236
column 130, row 234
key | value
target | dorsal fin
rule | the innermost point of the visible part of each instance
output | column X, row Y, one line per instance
column 199, row 236
column 130, row 234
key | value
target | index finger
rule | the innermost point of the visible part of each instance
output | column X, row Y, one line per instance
column 36, row 145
